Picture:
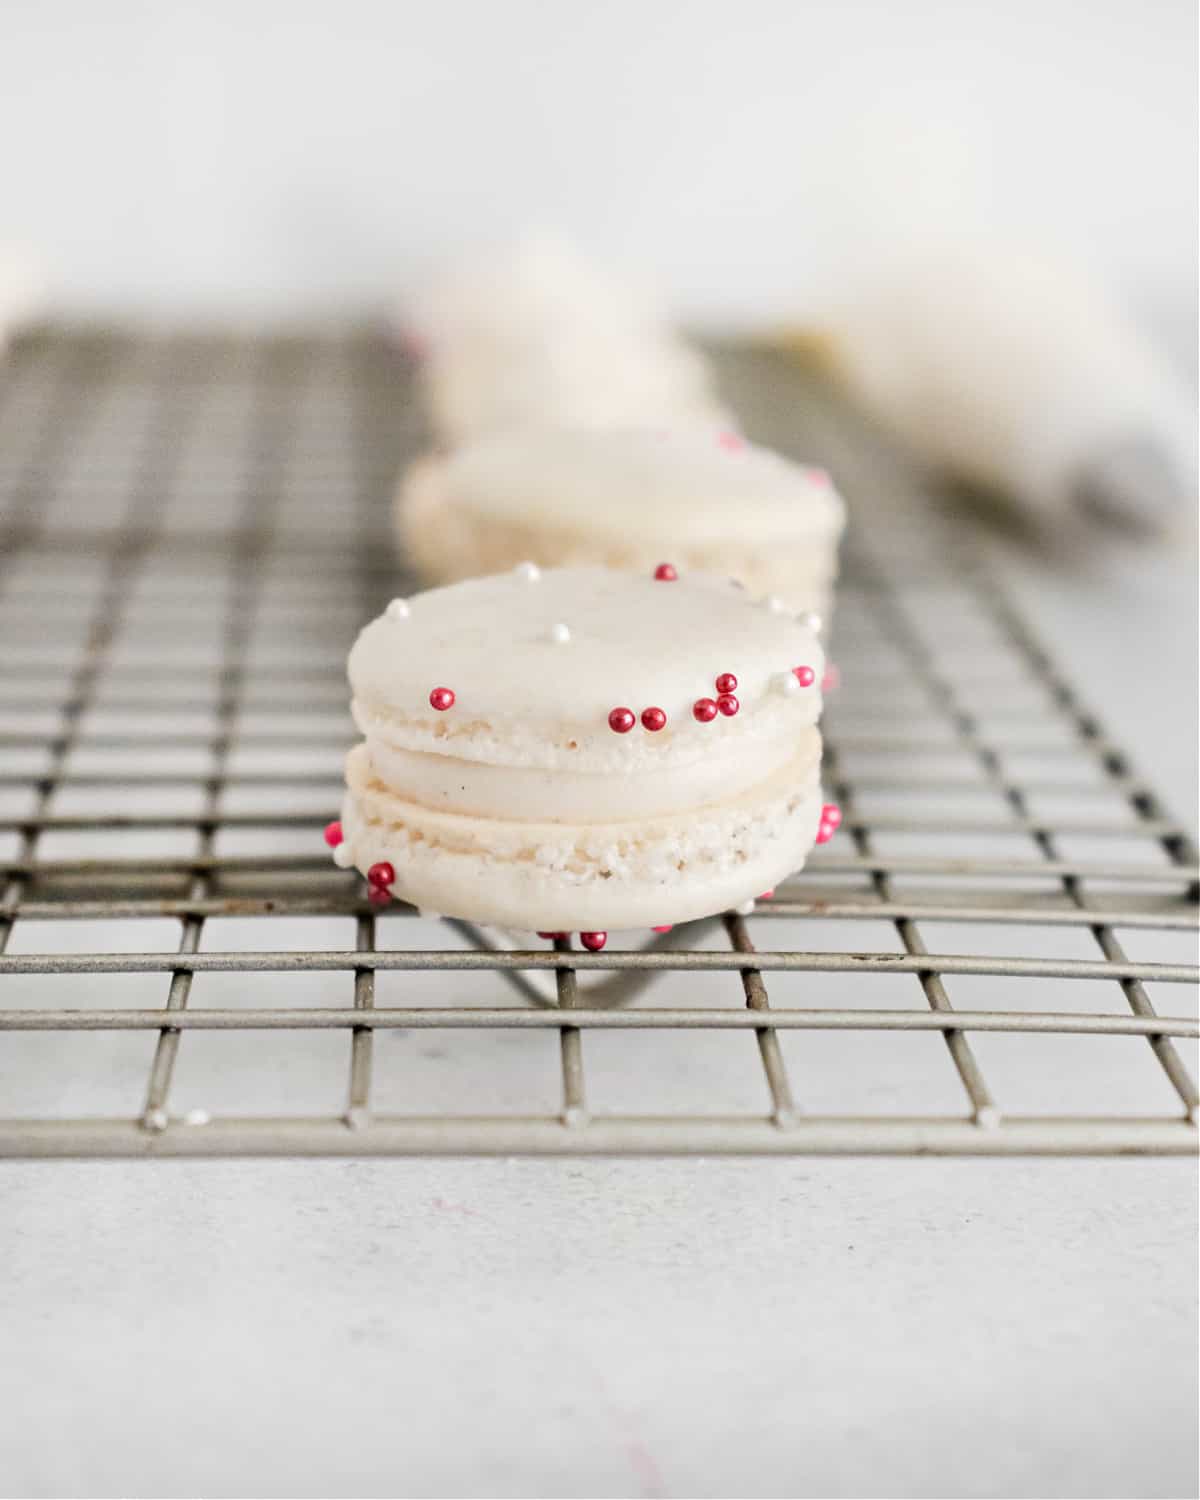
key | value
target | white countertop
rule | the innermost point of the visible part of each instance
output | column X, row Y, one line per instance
column 659, row 1328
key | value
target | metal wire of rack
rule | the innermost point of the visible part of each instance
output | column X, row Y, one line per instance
column 193, row 528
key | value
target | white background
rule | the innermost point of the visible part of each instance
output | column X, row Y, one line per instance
column 302, row 159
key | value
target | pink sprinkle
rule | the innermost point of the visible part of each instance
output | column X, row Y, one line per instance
column 818, row 476
column 766, row 895
column 805, row 676
column 831, row 817
column 667, row 928
column 732, row 442
column 831, row 680
column 334, row 834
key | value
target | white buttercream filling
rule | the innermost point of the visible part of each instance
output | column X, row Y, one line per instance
column 535, row 794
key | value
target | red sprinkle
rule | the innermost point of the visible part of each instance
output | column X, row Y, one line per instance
column 654, row 719
column 667, row 928
column 665, row 573
column 831, row 817
column 442, row 699
column 621, row 720
column 334, row 834
column 593, row 941
column 728, row 705
column 704, row 710
column 552, row 935
column 766, row 895
column 805, row 676
column 379, row 895
column 726, row 683
column 381, row 874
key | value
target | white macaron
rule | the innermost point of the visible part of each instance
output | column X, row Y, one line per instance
column 534, row 334
column 582, row 749
column 626, row 498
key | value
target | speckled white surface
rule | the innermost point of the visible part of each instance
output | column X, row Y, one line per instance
column 599, row 1329
column 773, row 1328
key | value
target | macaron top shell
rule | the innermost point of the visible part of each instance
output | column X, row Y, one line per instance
column 693, row 481
column 537, row 662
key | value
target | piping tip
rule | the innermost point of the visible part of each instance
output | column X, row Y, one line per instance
column 1135, row 487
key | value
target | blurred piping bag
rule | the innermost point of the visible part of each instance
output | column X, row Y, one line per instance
column 1022, row 376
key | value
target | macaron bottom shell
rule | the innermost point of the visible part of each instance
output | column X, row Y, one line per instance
column 513, row 875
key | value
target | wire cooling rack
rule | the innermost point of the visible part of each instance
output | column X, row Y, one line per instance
column 192, row 531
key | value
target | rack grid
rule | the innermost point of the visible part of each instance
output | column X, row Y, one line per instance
column 193, row 528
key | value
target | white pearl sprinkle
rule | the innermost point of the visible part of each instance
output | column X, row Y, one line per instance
column 775, row 604
column 155, row 1119
column 197, row 1117
column 560, row 634
column 343, row 855
column 787, row 683
column 529, row 571
column 745, row 908
column 811, row 620
column 398, row 610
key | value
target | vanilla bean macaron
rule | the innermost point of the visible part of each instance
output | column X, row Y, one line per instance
column 581, row 750
column 626, row 498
